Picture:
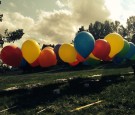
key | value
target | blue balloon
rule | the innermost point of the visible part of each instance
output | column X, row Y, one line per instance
column 24, row 63
column 84, row 43
column 118, row 60
column 131, row 51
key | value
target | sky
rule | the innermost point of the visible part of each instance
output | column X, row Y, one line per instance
column 57, row 21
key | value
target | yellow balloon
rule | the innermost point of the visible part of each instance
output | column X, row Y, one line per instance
column 30, row 50
column 116, row 42
column 93, row 57
column 67, row 53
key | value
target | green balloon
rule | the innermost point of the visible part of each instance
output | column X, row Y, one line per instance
column 92, row 62
column 132, row 58
column 125, row 49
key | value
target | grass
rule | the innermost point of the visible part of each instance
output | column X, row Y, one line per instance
column 47, row 77
column 117, row 93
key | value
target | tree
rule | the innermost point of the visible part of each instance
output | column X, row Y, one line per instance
column 10, row 36
column 131, row 26
column 95, row 29
column 1, row 15
column 1, row 41
column 81, row 29
column 99, row 30
column 13, row 36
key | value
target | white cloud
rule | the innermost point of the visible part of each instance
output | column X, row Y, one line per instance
column 115, row 9
column 14, row 21
column 86, row 11
column 57, row 26
column 60, row 4
column 61, row 26
column 120, row 9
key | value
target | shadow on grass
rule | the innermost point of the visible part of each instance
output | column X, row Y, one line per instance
column 42, row 95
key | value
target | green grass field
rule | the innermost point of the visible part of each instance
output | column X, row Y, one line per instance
column 33, row 93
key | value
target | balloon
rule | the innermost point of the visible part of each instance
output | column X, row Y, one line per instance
column 108, row 58
column 11, row 55
column 133, row 58
column 133, row 39
column 102, row 49
column 47, row 58
column 91, row 62
column 118, row 60
column 116, row 42
column 56, row 50
column 30, row 50
column 74, row 63
column 84, row 43
column 67, row 53
column 131, row 51
column 125, row 49
column 35, row 63
column 0, row 55
column 24, row 63
column 93, row 57
column 80, row 58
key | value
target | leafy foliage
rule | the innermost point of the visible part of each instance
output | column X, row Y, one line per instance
column 13, row 36
column 1, row 15
column 100, row 30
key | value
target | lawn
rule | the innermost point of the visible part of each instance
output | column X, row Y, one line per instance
column 34, row 94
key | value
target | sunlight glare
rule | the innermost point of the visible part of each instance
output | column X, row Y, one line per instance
column 114, row 7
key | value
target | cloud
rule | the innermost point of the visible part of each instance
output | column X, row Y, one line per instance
column 86, row 11
column 60, row 4
column 12, row 4
column 120, row 9
column 14, row 21
column 58, row 26
column 61, row 26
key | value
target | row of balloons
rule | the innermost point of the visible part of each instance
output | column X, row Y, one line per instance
column 84, row 50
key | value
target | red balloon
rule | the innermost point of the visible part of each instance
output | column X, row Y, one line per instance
column 80, row 58
column 108, row 58
column 35, row 63
column 11, row 55
column 0, row 55
column 47, row 58
column 102, row 49
column 74, row 63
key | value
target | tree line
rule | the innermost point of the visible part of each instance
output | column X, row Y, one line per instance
column 99, row 29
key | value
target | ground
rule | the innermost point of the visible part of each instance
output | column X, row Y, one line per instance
column 61, row 90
